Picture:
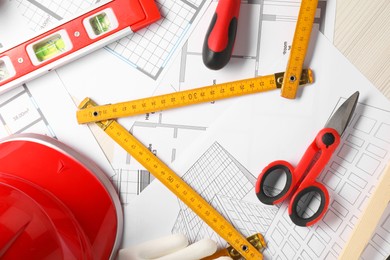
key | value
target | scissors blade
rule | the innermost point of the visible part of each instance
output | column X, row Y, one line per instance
column 340, row 119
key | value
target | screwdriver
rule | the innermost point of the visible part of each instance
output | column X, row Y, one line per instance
column 219, row 41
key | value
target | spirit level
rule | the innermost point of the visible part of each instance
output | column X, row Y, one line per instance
column 82, row 34
column 176, row 185
column 299, row 48
column 188, row 97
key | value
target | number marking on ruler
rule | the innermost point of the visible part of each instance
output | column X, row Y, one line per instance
column 299, row 48
column 176, row 185
column 188, row 97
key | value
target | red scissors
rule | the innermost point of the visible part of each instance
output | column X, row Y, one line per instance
column 310, row 199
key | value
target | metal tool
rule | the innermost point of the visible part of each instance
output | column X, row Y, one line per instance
column 188, row 97
column 177, row 186
column 55, row 203
column 299, row 48
column 220, row 37
column 73, row 38
column 280, row 179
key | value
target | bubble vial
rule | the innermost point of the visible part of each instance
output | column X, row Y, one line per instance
column 100, row 23
column 4, row 74
column 49, row 48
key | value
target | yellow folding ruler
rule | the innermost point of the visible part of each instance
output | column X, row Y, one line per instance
column 176, row 185
column 103, row 116
column 299, row 48
column 188, row 97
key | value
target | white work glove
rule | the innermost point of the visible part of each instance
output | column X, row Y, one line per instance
column 173, row 247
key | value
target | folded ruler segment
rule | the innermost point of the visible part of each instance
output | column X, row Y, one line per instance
column 73, row 38
column 299, row 48
column 187, row 97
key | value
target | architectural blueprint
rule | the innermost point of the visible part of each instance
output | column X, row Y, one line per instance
column 256, row 130
column 41, row 14
column 264, row 34
column 15, row 23
column 150, row 50
column 224, row 182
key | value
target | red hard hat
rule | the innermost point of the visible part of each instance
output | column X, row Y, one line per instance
column 55, row 203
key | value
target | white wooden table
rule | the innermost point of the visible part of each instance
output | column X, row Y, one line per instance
column 362, row 34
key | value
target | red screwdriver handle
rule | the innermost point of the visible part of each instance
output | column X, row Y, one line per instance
column 220, row 37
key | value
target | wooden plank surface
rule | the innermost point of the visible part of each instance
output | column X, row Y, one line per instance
column 368, row 221
column 362, row 34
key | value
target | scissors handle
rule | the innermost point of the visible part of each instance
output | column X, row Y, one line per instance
column 308, row 204
column 275, row 182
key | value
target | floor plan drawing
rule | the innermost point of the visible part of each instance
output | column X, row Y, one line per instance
column 163, row 139
column 40, row 14
column 150, row 50
column 177, row 132
column 130, row 183
column 224, row 182
column 19, row 113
